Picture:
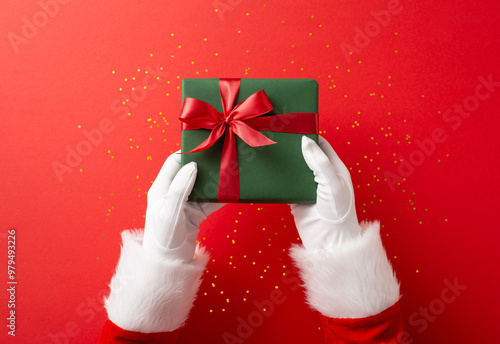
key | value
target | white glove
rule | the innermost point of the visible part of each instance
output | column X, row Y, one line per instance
column 172, row 223
column 332, row 220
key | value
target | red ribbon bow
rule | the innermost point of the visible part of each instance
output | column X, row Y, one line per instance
column 235, row 120
column 203, row 115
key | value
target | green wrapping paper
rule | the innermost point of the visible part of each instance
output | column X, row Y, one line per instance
column 268, row 174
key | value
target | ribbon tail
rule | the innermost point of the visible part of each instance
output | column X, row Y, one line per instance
column 229, row 175
column 215, row 134
column 251, row 136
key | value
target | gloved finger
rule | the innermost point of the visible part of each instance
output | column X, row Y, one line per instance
column 167, row 173
column 325, row 174
column 334, row 158
column 183, row 182
column 173, row 207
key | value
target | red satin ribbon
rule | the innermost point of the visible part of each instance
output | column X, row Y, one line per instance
column 242, row 120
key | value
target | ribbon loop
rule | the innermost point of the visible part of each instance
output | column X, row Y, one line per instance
column 200, row 114
column 256, row 105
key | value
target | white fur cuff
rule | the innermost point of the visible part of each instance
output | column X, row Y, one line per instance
column 354, row 280
column 150, row 294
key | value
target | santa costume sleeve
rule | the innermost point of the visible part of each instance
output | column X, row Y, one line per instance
column 355, row 290
column 150, row 297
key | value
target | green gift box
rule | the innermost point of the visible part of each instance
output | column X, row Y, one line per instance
column 247, row 137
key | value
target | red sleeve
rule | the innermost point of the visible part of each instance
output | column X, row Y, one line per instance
column 383, row 328
column 112, row 334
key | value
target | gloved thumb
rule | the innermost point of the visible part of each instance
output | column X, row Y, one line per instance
column 334, row 193
column 183, row 182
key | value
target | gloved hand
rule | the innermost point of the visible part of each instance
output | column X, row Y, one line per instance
column 172, row 223
column 332, row 220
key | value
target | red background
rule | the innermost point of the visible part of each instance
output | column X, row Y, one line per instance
column 75, row 68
